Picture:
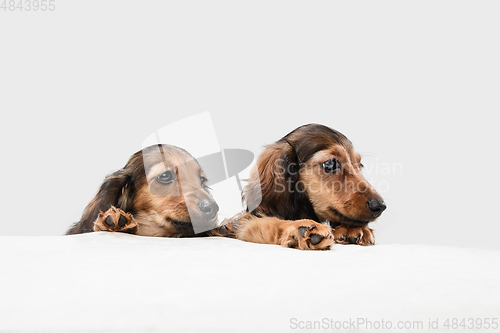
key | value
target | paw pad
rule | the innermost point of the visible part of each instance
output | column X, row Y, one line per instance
column 316, row 239
column 115, row 220
column 302, row 230
column 354, row 235
column 311, row 237
column 109, row 221
column 121, row 221
column 354, row 240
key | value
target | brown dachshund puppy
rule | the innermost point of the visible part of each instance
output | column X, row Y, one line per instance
column 304, row 183
column 161, row 191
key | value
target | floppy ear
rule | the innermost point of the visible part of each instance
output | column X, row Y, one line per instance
column 116, row 190
column 271, row 189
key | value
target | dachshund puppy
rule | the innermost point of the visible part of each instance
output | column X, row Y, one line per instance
column 309, row 180
column 161, row 191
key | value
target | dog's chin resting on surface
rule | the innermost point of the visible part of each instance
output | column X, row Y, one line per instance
column 307, row 191
column 158, row 193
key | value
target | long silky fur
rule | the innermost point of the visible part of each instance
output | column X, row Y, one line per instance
column 116, row 190
column 277, row 169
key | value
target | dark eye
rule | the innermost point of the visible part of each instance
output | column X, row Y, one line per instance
column 203, row 180
column 331, row 166
column 166, row 178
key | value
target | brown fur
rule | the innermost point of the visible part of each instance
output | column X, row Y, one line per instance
column 271, row 230
column 152, row 208
column 293, row 185
column 122, row 221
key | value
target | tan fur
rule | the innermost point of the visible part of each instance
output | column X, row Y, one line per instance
column 115, row 214
column 347, row 191
column 155, row 206
column 295, row 188
column 349, row 235
column 271, row 230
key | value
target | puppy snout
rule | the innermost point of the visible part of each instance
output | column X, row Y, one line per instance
column 208, row 208
column 376, row 207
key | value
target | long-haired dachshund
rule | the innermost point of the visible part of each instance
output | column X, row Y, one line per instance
column 309, row 180
column 161, row 191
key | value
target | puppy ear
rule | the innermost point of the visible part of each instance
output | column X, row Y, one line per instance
column 116, row 190
column 270, row 189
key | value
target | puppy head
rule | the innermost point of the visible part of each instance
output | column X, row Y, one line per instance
column 314, row 172
column 175, row 190
column 163, row 187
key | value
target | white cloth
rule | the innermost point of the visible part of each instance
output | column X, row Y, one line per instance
column 113, row 281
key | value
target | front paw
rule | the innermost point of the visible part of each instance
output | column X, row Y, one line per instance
column 115, row 219
column 307, row 235
column 354, row 235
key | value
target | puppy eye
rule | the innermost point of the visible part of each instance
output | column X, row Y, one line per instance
column 203, row 180
column 331, row 166
column 166, row 178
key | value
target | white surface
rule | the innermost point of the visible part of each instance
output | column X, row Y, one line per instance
column 105, row 281
column 413, row 84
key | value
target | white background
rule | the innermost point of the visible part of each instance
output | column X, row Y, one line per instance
column 412, row 84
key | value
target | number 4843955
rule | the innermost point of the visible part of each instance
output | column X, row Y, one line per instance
column 471, row 323
column 28, row 5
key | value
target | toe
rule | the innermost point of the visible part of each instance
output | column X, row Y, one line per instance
column 109, row 221
column 316, row 239
column 353, row 239
column 130, row 230
column 122, row 221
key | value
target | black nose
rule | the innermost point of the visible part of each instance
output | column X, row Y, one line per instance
column 376, row 206
column 209, row 208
